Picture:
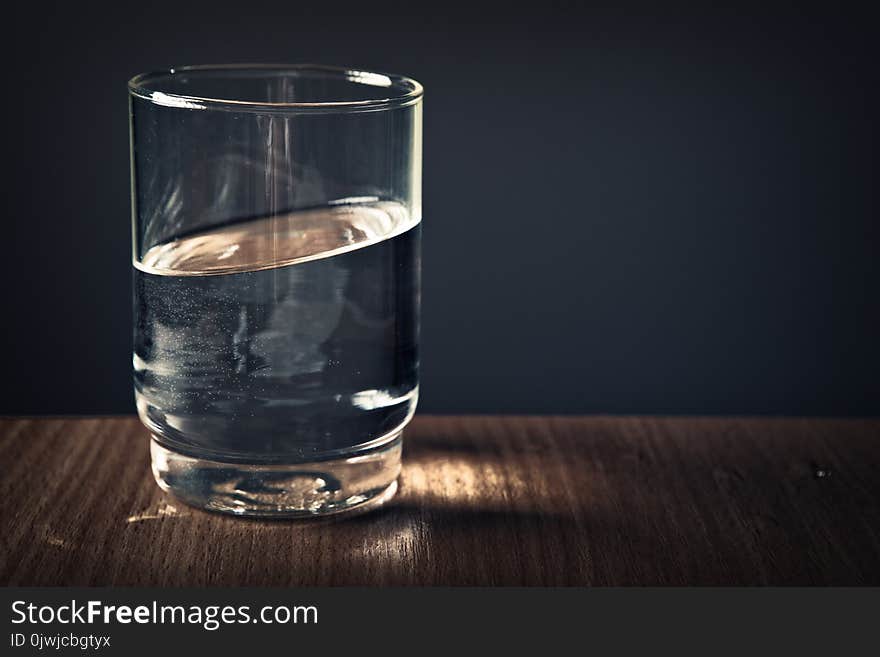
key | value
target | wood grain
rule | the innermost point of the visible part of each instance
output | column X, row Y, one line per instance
column 483, row 501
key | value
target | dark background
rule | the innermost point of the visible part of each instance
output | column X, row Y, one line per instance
column 627, row 210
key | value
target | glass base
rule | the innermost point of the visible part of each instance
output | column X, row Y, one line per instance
column 319, row 488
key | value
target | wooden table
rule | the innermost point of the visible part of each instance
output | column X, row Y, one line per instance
column 483, row 500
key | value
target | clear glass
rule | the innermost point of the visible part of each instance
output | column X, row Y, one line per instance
column 276, row 248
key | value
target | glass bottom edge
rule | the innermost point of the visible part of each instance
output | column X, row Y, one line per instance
column 304, row 490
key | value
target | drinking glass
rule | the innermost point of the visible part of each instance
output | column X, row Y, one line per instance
column 276, row 247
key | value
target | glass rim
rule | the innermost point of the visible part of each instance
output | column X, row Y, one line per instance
column 410, row 90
